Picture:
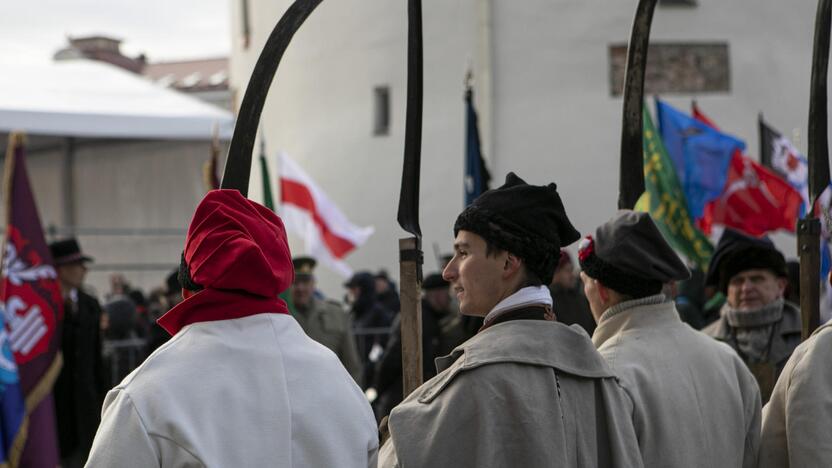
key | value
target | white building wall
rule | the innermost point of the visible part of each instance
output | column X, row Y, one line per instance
column 542, row 87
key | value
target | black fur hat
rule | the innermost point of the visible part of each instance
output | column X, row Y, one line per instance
column 737, row 252
column 526, row 220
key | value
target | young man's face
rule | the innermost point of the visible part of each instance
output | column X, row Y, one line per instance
column 752, row 289
column 476, row 279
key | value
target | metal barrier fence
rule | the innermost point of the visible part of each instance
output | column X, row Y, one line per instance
column 122, row 356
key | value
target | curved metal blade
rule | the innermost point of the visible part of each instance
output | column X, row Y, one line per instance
column 238, row 163
column 409, row 197
column 818, row 141
column 631, row 176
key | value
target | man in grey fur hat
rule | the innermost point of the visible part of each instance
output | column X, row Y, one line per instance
column 525, row 390
column 695, row 403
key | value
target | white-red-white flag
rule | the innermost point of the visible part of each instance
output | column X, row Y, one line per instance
column 309, row 213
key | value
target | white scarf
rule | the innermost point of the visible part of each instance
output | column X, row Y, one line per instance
column 530, row 295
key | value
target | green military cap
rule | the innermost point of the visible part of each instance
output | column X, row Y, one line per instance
column 304, row 267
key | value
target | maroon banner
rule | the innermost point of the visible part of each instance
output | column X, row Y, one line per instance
column 33, row 307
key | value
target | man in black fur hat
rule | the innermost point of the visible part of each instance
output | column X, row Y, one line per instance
column 525, row 390
column 755, row 320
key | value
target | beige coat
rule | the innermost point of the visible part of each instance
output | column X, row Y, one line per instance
column 523, row 393
column 330, row 326
column 797, row 422
column 695, row 402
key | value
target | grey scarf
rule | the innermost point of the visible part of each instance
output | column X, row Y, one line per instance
column 752, row 329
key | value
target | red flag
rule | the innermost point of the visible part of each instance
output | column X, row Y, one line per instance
column 755, row 200
column 33, row 309
column 698, row 115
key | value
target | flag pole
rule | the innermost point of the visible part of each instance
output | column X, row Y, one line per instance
column 808, row 228
column 15, row 139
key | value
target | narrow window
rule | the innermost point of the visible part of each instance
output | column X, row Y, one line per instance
column 381, row 110
column 246, row 25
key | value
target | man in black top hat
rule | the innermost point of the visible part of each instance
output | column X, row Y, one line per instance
column 525, row 390
column 324, row 321
column 755, row 320
column 666, row 366
column 81, row 384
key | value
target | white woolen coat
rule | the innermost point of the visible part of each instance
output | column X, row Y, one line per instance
column 248, row 392
column 695, row 403
column 797, row 421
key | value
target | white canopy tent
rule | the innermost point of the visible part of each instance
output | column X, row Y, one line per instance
column 88, row 99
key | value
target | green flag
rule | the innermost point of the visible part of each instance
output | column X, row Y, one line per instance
column 268, row 201
column 664, row 199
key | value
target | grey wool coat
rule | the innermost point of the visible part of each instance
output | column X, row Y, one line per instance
column 524, row 393
column 695, row 402
column 797, row 421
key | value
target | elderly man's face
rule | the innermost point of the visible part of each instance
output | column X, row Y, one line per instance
column 302, row 291
column 476, row 278
column 752, row 289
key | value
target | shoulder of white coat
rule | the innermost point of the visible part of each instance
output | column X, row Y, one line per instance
column 811, row 356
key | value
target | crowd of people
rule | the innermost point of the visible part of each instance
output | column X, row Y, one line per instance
column 659, row 365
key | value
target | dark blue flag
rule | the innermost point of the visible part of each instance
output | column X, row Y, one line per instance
column 476, row 174
column 700, row 154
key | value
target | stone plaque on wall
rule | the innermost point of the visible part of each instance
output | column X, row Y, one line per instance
column 676, row 68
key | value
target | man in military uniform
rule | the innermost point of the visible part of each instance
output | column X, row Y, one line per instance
column 665, row 366
column 755, row 320
column 324, row 321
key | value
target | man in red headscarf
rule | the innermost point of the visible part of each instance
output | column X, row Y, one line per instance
column 239, row 383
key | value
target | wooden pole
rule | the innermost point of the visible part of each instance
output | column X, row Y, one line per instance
column 410, row 261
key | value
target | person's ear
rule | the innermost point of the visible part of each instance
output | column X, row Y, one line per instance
column 512, row 265
column 603, row 292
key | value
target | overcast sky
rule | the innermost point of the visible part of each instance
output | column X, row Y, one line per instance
column 32, row 30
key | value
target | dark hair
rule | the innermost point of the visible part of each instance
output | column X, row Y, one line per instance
column 530, row 278
column 184, row 277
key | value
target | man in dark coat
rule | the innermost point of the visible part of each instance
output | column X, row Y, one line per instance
column 571, row 306
column 435, row 306
column 755, row 320
column 81, row 384
column 368, row 314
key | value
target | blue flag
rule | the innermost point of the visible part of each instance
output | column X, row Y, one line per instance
column 700, row 154
column 477, row 176
column 12, row 404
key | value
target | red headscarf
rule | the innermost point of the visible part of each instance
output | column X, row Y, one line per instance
column 237, row 250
